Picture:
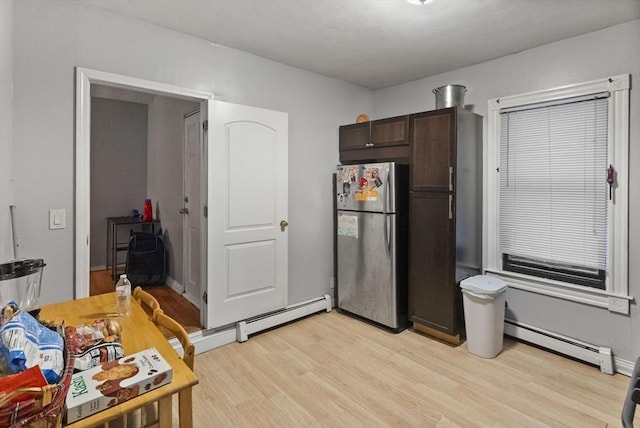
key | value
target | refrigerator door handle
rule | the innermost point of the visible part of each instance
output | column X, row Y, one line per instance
column 387, row 241
column 387, row 193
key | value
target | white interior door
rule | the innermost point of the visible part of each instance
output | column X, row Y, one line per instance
column 192, row 209
column 247, row 201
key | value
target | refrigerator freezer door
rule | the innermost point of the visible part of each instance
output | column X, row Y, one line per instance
column 367, row 187
column 366, row 266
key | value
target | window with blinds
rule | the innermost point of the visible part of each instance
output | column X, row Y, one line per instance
column 553, row 190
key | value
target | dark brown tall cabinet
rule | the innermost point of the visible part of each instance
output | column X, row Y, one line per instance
column 445, row 216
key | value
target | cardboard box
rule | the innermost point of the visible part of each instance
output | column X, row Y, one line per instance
column 101, row 387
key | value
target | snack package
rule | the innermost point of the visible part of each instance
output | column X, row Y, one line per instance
column 112, row 383
column 24, row 343
column 31, row 377
column 92, row 345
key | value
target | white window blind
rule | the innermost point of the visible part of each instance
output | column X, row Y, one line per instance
column 553, row 185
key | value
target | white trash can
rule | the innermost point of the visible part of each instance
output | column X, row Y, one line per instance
column 484, row 303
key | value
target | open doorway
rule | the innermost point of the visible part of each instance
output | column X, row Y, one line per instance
column 243, row 233
column 136, row 151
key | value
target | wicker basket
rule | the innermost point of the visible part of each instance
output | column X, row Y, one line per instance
column 45, row 407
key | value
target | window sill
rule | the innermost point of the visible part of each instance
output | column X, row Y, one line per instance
column 593, row 297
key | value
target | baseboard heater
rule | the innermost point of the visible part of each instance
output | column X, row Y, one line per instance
column 273, row 319
column 596, row 355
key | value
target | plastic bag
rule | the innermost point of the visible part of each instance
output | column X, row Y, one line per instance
column 94, row 344
column 24, row 343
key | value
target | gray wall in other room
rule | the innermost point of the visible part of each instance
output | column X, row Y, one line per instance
column 6, row 127
column 118, row 168
column 596, row 55
column 51, row 38
column 164, row 173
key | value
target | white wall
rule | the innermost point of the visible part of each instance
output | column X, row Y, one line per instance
column 118, row 169
column 592, row 56
column 51, row 38
column 6, row 126
column 164, row 173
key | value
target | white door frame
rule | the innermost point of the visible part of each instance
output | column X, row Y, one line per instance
column 84, row 78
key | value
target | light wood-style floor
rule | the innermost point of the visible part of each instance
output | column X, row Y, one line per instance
column 330, row 370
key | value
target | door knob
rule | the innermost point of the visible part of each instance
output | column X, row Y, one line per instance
column 283, row 225
column 184, row 211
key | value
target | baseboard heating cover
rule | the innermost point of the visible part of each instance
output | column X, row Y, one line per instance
column 596, row 355
column 273, row 319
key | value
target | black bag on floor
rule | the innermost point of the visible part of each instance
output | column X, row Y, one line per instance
column 146, row 259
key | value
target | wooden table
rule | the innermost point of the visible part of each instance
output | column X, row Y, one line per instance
column 139, row 333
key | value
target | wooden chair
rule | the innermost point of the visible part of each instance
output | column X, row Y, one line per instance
column 141, row 418
column 146, row 300
column 163, row 321
column 188, row 356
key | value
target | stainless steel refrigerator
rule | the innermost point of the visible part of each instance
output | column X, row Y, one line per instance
column 371, row 242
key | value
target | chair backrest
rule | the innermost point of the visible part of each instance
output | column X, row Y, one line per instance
column 163, row 320
column 146, row 300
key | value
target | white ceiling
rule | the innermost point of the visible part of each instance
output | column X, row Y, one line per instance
column 379, row 43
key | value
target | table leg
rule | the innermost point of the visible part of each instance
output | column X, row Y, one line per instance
column 185, row 406
column 164, row 412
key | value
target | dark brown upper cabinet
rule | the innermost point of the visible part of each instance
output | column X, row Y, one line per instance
column 433, row 150
column 380, row 140
column 355, row 136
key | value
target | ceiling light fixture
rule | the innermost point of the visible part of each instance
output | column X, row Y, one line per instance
column 419, row 2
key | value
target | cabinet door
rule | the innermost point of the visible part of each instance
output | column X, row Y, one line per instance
column 382, row 140
column 433, row 299
column 391, row 131
column 355, row 136
column 433, row 137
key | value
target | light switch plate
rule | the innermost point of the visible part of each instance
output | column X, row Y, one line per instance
column 57, row 219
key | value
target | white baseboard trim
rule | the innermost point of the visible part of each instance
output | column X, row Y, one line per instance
column 179, row 288
column 597, row 355
column 95, row 268
column 624, row 367
column 174, row 285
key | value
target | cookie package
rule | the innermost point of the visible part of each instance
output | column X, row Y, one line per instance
column 104, row 386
